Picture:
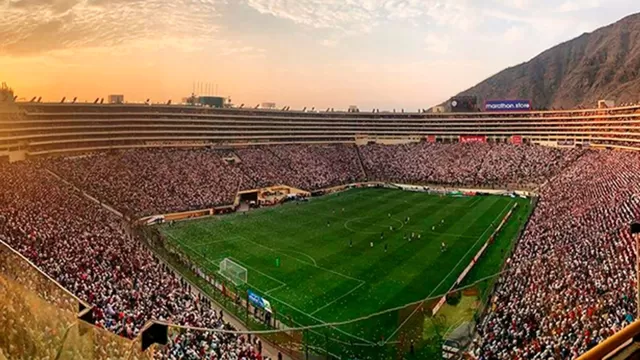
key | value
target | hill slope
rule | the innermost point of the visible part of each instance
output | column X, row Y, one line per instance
column 604, row 64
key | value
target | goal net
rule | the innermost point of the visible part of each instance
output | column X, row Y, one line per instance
column 233, row 271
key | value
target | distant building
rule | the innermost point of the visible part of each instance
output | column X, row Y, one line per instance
column 268, row 105
column 353, row 109
column 211, row 101
column 116, row 99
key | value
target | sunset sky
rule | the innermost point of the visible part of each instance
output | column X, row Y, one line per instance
column 325, row 53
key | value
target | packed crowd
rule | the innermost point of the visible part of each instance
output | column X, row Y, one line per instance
column 570, row 281
column 479, row 164
column 308, row 167
column 148, row 182
column 84, row 248
column 577, row 234
column 154, row 181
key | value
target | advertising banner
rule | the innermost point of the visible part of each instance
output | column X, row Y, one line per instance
column 516, row 139
column 259, row 301
column 565, row 142
column 507, row 105
column 472, row 138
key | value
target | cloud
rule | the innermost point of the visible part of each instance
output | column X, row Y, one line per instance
column 437, row 43
column 573, row 5
column 513, row 35
column 34, row 26
column 329, row 42
column 361, row 16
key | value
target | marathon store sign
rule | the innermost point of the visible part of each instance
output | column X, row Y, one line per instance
column 507, row 105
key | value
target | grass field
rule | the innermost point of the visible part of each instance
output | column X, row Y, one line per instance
column 322, row 279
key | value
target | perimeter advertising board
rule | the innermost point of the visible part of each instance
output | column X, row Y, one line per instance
column 516, row 139
column 566, row 143
column 259, row 301
column 472, row 138
column 507, row 105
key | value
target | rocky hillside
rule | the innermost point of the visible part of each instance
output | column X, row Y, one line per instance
column 604, row 64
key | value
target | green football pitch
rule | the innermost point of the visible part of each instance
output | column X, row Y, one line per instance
column 348, row 255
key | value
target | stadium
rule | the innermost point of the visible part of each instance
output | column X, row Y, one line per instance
column 178, row 231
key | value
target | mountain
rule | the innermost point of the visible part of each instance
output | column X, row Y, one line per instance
column 604, row 64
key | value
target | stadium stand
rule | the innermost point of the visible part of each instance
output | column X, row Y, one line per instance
column 143, row 182
column 84, row 248
column 579, row 235
column 154, row 181
column 68, row 128
column 577, row 232
column 477, row 164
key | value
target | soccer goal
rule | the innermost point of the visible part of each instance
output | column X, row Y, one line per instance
column 233, row 271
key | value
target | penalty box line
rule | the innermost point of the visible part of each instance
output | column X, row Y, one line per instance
column 217, row 264
column 301, row 261
column 338, row 298
column 281, row 252
column 361, row 283
column 449, row 274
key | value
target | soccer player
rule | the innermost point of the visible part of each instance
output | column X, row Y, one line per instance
column 389, row 215
column 419, row 236
column 382, row 235
column 371, row 244
column 385, row 247
column 390, row 227
column 433, row 228
column 350, row 242
column 443, row 247
column 442, row 221
column 328, row 223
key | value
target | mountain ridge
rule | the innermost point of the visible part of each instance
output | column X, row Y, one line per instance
column 602, row 64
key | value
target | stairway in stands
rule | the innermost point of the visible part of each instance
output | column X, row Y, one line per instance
column 361, row 162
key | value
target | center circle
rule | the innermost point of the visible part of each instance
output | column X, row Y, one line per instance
column 365, row 225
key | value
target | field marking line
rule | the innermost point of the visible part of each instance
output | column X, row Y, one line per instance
column 216, row 263
column 230, row 239
column 301, row 253
column 369, row 232
column 275, row 288
column 289, row 256
column 321, row 321
column 362, row 282
column 471, row 203
column 185, row 245
column 257, row 271
column 304, row 262
column 449, row 274
column 338, row 298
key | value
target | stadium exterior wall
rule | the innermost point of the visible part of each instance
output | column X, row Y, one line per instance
column 45, row 128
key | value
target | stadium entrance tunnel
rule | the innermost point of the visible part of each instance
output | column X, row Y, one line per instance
column 250, row 197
